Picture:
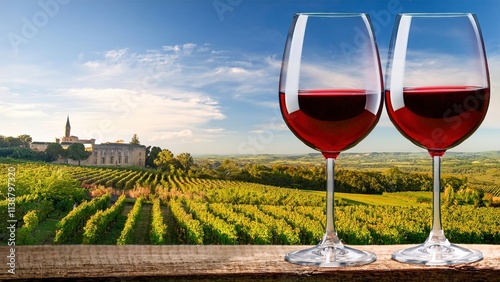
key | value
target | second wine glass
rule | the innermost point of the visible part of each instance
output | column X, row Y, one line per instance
column 437, row 95
column 330, row 96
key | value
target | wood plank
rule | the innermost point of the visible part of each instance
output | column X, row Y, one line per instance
column 225, row 263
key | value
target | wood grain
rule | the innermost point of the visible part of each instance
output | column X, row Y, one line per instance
column 224, row 263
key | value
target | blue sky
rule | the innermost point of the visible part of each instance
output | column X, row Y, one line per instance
column 189, row 76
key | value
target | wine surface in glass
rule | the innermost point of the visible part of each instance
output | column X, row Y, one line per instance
column 330, row 120
column 439, row 118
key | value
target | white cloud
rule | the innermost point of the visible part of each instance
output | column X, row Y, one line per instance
column 91, row 64
column 214, row 130
column 115, row 54
column 21, row 111
column 174, row 48
column 187, row 66
column 321, row 77
column 275, row 124
column 493, row 116
column 150, row 115
column 441, row 69
column 21, row 74
column 188, row 48
column 186, row 133
column 163, row 95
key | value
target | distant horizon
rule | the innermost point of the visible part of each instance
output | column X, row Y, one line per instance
column 417, row 150
column 345, row 153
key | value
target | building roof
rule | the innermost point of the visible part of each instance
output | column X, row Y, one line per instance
column 119, row 144
column 41, row 142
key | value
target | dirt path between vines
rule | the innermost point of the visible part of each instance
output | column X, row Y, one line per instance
column 142, row 234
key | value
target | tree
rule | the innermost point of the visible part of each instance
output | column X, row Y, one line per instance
column 165, row 161
column 185, row 160
column 76, row 152
column 135, row 140
column 21, row 153
column 14, row 141
column 228, row 168
column 3, row 142
column 53, row 152
column 449, row 195
column 151, row 156
column 25, row 139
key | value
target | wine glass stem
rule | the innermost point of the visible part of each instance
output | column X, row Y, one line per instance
column 330, row 237
column 437, row 235
column 330, row 198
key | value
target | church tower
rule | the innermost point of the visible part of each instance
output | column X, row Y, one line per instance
column 68, row 129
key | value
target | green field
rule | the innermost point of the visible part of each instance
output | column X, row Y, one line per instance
column 58, row 204
column 387, row 199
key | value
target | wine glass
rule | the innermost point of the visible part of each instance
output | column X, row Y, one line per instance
column 330, row 95
column 437, row 95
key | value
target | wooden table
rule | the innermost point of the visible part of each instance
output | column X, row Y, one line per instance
column 224, row 263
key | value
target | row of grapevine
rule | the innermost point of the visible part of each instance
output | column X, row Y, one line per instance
column 282, row 232
column 258, row 194
column 23, row 205
column 191, row 230
column 493, row 190
column 172, row 184
column 31, row 219
column 115, row 179
column 158, row 227
column 82, row 174
column 310, row 229
column 216, row 190
column 109, row 178
column 96, row 177
column 125, row 180
column 144, row 179
column 99, row 222
column 128, row 229
column 466, row 224
column 218, row 223
column 30, row 222
column 131, row 182
column 71, row 224
column 249, row 231
column 215, row 229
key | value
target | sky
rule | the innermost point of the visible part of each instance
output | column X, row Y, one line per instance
column 196, row 76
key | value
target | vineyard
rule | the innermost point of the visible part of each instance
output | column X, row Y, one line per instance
column 57, row 204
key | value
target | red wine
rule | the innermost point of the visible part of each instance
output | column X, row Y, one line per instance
column 439, row 118
column 331, row 121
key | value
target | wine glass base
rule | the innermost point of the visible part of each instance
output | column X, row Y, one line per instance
column 436, row 254
column 331, row 256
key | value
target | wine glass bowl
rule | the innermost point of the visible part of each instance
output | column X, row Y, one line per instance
column 440, row 117
column 330, row 82
column 331, row 96
column 437, row 95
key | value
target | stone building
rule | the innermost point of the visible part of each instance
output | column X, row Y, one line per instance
column 117, row 154
column 105, row 154
column 39, row 146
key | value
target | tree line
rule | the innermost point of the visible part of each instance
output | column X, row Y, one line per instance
column 19, row 148
column 311, row 177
